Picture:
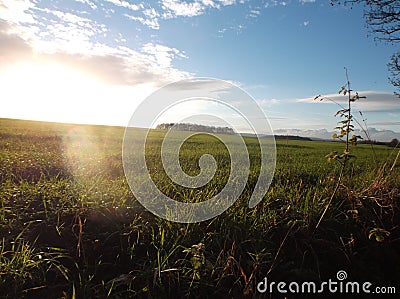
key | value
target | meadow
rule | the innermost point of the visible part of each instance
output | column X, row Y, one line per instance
column 71, row 228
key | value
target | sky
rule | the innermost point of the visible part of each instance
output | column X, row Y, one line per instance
column 92, row 61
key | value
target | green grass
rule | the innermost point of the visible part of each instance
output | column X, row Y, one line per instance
column 71, row 228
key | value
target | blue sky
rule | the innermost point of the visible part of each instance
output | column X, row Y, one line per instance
column 97, row 60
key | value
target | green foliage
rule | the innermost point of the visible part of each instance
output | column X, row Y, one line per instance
column 345, row 125
column 378, row 234
column 197, row 258
column 345, row 128
column 23, row 265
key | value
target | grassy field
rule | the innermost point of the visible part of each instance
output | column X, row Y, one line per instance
column 71, row 228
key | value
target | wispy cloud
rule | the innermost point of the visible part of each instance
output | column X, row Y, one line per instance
column 174, row 8
column 385, row 123
column 375, row 101
column 227, row 2
column 170, row 9
column 125, row 4
column 374, row 134
column 268, row 103
column 254, row 13
column 272, row 3
column 12, row 46
column 36, row 34
column 90, row 3
column 17, row 11
column 306, row 1
column 150, row 21
column 162, row 55
column 65, row 31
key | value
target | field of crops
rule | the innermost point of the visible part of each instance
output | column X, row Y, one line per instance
column 71, row 228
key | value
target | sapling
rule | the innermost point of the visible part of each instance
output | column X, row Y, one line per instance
column 343, row 133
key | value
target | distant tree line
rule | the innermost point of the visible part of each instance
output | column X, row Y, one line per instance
column 393, row 143
column 195, row 128
column 291, row 137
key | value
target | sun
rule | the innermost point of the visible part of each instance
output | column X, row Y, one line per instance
column 53, row 91
column 44, row 91
column 49, row 78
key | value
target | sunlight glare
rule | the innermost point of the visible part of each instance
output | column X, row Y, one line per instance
column 55, row 92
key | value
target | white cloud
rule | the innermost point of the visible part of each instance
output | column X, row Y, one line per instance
column 307, row 1
column 125, row 4
column 151, row 13
column 69, row 17
column 65, row 32
column 46, row 39
column 17, row 11
column 271, row 3
column 375, row 101
column 254, row 13
column 175, row 8
column 150, row 18
column 12, row 46
column 305, row 23
column 210, row 3
column 149, row 22
column 91, row 4
column 110, row 65
column 375, row 134
column 72, row 40
column 386, row 123
column 162, row 55
column 267, row 103
column 227, row 2
column 49, row 29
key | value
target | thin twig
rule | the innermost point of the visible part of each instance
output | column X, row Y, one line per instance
column 395, row 162
column 279, row 249
column 331, row 198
